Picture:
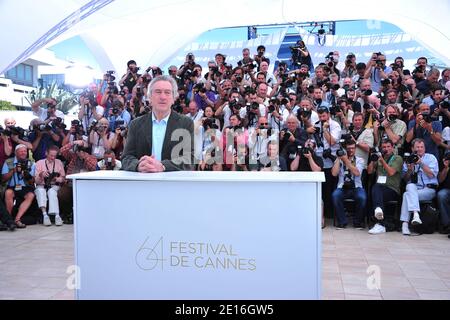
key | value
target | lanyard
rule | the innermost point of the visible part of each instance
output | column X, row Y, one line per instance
column 383, row 171
column 54, row 163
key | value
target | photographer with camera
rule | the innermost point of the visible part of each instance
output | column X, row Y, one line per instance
column 420, row 173
column 232, row 136
column 272, row 160
column 78, row 160
column 306, row 115
column 349, row 70
column 300, row 55
column 130, row 78
column 48, row 114
column 253, row 109
column 109, row 162
column 44, row 135
column 318, row 98
column 209, row 137
column 376, row 70
column 5, row 146
column 19, row 173
column 259, row 138
column 234, row 105
column 189, row 64
column 431, row 81
column 426, row 128
column 202, row 96
column 439, row 105
column 291, row 137
column 306, row 158
column 388, row 169
column 348, row 168
column 362, row 137
column 331, row 61
column 327, row 134
column 278, row 111
column 118, row 114
column 49, row 177
column 76, row 132
column 100, row 138
column 16, row 135
column 391, row 127
column 259, row 57
column 269, row 78
column 89, row 110
column 443, row 196
column 344, row 113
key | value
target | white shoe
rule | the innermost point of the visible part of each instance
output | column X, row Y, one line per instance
column 58, row 221
column 379, row 214
column 416, row 219
column 377, row 229
column 405, row 229
column 47, row 221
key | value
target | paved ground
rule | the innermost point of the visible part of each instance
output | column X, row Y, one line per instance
column 34, row 263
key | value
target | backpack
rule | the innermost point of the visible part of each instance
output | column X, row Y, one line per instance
column 430, row 217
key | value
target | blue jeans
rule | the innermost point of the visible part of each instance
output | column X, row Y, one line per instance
column 381, row 195
column 357, row 194
column 443, row 200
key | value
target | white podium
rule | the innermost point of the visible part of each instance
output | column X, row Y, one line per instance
column 198, row 235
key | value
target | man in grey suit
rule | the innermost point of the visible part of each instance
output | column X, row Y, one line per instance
column 161, row 140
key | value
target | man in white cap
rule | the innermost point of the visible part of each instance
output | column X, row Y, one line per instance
column 18, row 172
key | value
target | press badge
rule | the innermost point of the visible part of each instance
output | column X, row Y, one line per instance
column 382, row 179
column 96, row 150
column 18, row 187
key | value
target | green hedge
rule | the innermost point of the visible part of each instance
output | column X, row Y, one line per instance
column 5, row 105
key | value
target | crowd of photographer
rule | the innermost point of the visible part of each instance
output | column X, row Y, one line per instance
column 373, row 129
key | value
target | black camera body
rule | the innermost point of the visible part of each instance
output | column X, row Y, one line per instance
column 48, row 181
column 210, row 123
column 252, row 106
column 410, row 158
column 427, row 117
column 374, row 154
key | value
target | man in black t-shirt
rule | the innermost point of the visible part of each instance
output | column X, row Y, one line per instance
column 306, row 159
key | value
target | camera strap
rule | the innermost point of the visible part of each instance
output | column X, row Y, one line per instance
column 54, row 163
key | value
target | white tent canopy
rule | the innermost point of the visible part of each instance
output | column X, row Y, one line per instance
column 149, row 31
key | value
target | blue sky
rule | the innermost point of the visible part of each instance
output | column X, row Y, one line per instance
column 75, row 50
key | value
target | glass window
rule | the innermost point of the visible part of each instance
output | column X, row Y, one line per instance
column 20, row 72
column 28, row 73
column 11, row 73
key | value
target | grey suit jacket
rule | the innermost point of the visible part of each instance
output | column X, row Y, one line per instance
column 139, row 143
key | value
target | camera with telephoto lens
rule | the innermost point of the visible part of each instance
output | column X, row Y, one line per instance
column 235, row 104
column 16, row 131
column 77, row 126
column 341, row 152
column 119, row 124
column 327, row 154
column 91, row 99
column 200, row 87
column 252, row 106
column 109, row 75
column 304, row 113
column 379, row 63
column 385, row 82
column 411, row 158
column 24, row 166
column 349, row 182
column 210, row 123
column 109, row 164
column 367, row 92
column 374, row 154
column 48, row 182
column 444, row 104
column 305, row 150
column 287, row 135
column 392, row 118
column 427, row 117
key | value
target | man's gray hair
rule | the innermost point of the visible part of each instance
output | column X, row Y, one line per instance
column 434, row 71
column 167, row 79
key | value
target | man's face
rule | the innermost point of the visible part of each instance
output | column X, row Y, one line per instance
column 252, row 98
column 422, row 63
column 10, row 123
column 272, row 150
column 433, row 77
column 262, row 91
column 262, row 122
column 411, row 83
column 291, row 124
column 303, row 69
column 132, row 67
column 350, row 150
column 324, row 116
column 392, row 97
column 21, row 153
column 382, row 58
column 365, row 85
column 234, row 96
column 419, row 148
column 162, row 97
column 446, row 76
column 358, row 122
column 348, row 82
column 261, row 78
column 438, row 95
column 245, row 54
column 319, row 73
column 234, row 121
column 305, row 104
column 238, row 73
column 226, row 85
column 51, row 155
column 219, row 60
column 317, row 94
column 173, row 71
column 361, row 72
column 192, row 108
column 51, row 110
column 264, row 66
column 424, row 108
column 390, row 111
column 387, row 149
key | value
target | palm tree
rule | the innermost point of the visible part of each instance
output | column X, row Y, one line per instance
column 66, row 99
